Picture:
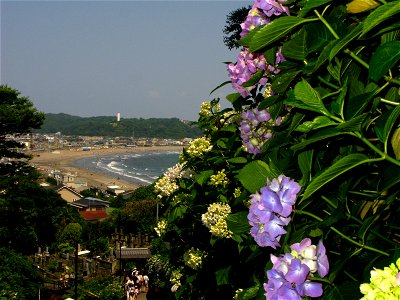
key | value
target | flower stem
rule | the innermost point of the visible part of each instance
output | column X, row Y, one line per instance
column 363, row 246
column 389, row 102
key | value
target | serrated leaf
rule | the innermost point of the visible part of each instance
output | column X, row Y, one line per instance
column 338, row 104
column 324, row 55
column 342, row 128
column 341, row 166
column 282, row 81
column 238, row 160
column 385, row 124
column 278, row 28
column 254, row 175
column 203, row 177
column 270, row 55
column 176, row 213
column 396, row 143
column 254, row 79
column 384, row 58
column 222, row 276
column 342, row 42
column 238, row 222
column 309, row 97
column 304, row 161
column 318, row 122
column 296, row 48
column 310, row 4
column 380, row 14
column 249, row 293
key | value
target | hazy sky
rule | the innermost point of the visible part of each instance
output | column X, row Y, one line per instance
column 143, row 59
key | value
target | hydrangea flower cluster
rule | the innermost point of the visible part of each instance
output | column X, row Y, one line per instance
column 161, row 227
column 384, row 284
column 193, row 258
column 175, row 279
column 199, row 146
column 270, row 210
column 166, row 185
column 255, row 129
column 240, row 72
column 206, row 109
column 290, row 275
column 219, row 179
column 215, row 219
column 271, row 7
column 255, row 18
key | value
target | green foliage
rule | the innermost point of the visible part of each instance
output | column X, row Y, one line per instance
column 18, row 116
column 107, row 126
column 338, row 95
column 107, row 287
column 19, row 279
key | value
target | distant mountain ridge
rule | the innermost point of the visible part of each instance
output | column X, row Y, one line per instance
column 172, row 128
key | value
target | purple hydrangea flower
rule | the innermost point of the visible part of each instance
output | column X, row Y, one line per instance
column 254, row 19
column 290, row 277
column 271, row 7
column 255, row 129
column 270, row 210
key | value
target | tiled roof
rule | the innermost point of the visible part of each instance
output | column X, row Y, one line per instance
column 94, row 215
column 128, row 253
column 94, row 202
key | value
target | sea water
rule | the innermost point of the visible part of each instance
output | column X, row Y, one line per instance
column 139, row 168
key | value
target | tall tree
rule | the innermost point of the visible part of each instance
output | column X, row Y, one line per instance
column 18, row 116
column 232, row 28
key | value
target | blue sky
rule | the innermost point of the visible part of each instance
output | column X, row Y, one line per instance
column 143, row 59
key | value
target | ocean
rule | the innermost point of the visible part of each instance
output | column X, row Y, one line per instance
column 139, row 168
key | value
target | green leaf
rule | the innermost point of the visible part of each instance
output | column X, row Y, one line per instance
column 309, row 97
column 220, row 86
column 237, row 160
column 255, row 78
column 391, row 176
column 235, row 99
column 254, row 175
column 380, row 14
column 176, row 213
column 238, row 222
column 342, row 128
column 323, row 56
column 341, row 166
column 222, row 276
column 318, row 122
column 296, row 48
column 282, row 81
column 270, row 55
column 304, row 160
column 338, row 104
column 342, row 42
column 278, row 28
column 249, row 293
column 384, row 58
column 396, row 143
column 203, row 177
column 385, row 124
column 311, row 4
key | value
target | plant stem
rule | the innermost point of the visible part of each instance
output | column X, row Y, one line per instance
column 363, row 246
column 389, row 102
column 336, row 36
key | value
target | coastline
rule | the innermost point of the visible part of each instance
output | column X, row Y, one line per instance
column 63, row 160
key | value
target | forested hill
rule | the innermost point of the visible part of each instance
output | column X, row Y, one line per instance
column 108, row 126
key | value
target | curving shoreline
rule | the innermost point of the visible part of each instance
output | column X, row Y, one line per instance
column 63, row 160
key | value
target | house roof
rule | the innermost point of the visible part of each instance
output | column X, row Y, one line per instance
column 60, row 187
column 94, row 215
column 130, row 253
column 91, row 201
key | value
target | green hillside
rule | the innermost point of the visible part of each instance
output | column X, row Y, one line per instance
column 108, row 126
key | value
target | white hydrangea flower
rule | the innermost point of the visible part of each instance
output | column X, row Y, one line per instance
column 193, row 258
column 215, row 219
column 219, row 179
column 161, row 227
column 199, row 146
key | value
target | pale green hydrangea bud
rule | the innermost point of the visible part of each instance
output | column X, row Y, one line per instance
column 215, row 219
column 219, row 179
column 193, row 258
column 175, row 277
column 199, row 146
column 384, row 284
column 165, row 187
column 237, row 293
column 161, row 227
column 237, row 192
column 205, row 109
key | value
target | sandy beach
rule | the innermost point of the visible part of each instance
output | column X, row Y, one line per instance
column 63, row 160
